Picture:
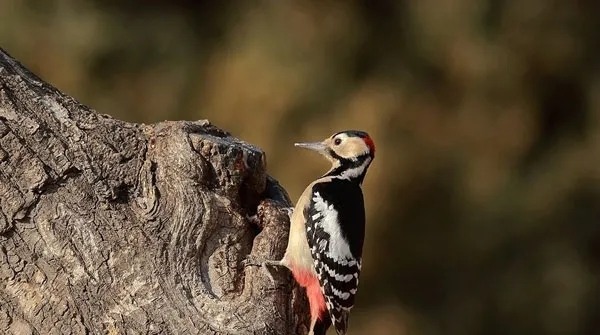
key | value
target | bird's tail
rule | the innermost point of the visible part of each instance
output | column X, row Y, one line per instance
column 341, row 322
column 322, row 325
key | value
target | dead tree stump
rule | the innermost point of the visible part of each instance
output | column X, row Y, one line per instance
column 109, row 227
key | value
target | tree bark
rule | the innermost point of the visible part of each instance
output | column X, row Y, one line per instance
column 108, row 227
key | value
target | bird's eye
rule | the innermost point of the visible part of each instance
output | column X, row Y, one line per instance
column 337, row 141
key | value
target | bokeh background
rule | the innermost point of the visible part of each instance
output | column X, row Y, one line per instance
column 484, row 198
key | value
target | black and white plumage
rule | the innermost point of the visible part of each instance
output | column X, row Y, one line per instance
column 335, row 226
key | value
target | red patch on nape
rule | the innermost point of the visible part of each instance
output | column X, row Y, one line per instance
column 369, row 142
column 313, row 291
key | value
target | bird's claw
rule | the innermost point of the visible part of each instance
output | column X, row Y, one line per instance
column 264, row 265
column 251, row 261
column 289, row 211
column 253, row 219
column 269, row 275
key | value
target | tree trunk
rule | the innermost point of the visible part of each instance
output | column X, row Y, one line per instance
column 108, row 227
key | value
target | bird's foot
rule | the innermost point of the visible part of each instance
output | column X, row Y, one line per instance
column 289, row 211
column 253, row 219
column 263, row 264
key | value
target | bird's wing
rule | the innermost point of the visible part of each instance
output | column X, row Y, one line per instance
column 335, row 222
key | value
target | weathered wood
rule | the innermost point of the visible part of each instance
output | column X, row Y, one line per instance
column 121, row 228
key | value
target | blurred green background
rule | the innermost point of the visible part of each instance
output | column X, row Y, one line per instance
column 484, row 199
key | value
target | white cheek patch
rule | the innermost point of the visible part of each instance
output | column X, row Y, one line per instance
column 352, row 148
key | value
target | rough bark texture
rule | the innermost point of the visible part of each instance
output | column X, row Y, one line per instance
column 108, row 227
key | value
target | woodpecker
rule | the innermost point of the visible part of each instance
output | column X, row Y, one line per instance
column 324, row 250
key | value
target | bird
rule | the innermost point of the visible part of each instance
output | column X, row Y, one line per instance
column 327, row 231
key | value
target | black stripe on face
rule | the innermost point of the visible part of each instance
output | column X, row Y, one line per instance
column 347, row 164
column 335, row 155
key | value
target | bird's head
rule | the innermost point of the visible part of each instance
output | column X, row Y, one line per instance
column 350, row 152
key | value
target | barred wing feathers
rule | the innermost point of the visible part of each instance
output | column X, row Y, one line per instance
column 335, row 223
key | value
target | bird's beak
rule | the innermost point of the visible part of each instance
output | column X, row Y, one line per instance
column 319, row 147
